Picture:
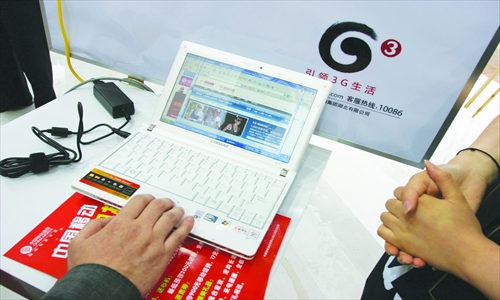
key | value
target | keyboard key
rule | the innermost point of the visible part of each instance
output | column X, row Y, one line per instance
column 237, row 184
column 273, row 195
column 155, row 145
column 177, row 181
column 174, row 153
column 260, row 175
column 148, row 139
column 236, row 201
column 229, row 170
column 137, row 138
column 251, row 173
column 259, row 221
column 201, row 199
column 184, row 192
column 155, row 172
column 110, row 163
column 167, row 167
column 156, row 163
column 134, row 164
column 150, row 153
column 121, row 156
column 163, row 151
column 262, row 183
column 226, row 179
column 200, row 179
column 211, row 159
column 178, row 171
column 185, row 150
column 140, row 149
column 225, row 208
column 251, row 180
column 211, row 182
column 236, row 213
column 247, row 217
column 261, row 192
column 269, row 179
column 247, row 197
column 263, row 201
column 125, row 151
column 212, row 192
column 121, row 168
column 223, row 187
column 160, row 180
column 143, row 176
column 185, row 157
column 249, row 187
column 182, row 164
column 203, row 171
column 192, row 167
column 188, row 184
column 224, row 198
column 161, row 156
column 146, row 159
column 144, row 168
column 262, row 208
column 196, row 160
column 279, row 183
column 213, row 203
column 206, row 164
column 131, row 172
column 255, row 208
column 238, row 175
column 218, row 166
column 235, row 192
column 200, row 189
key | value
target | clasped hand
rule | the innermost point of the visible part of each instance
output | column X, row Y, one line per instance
column 436, row 229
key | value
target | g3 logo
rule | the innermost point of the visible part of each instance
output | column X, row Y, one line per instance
column 391, row 48
column 353, row 46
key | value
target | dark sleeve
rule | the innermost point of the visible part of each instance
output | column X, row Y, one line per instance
column 92, row 281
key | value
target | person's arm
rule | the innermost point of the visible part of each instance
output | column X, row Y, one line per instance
column 136, row 244
column 92, row 281
column 473, row 171
column 446, row 234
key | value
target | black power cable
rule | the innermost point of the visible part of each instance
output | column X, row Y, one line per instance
column 40, row 162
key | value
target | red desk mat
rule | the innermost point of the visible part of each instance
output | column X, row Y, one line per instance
column 197, row 271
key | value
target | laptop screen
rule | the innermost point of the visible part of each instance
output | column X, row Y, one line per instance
column 239, row 107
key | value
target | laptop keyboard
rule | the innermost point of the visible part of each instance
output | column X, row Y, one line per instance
column 238, row 193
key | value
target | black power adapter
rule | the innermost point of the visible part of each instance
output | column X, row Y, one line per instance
column 113, row 99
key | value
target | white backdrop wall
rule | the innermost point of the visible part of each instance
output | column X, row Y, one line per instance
column 422, row 54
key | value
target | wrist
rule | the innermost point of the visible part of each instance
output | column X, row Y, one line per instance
column 480, row 264
column 476, row 164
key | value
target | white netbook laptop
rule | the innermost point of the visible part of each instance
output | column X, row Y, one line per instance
column 225, row 143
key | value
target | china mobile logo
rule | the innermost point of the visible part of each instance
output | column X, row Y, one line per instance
column 353, row 46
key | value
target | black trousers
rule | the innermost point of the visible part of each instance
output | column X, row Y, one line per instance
column 24, row 54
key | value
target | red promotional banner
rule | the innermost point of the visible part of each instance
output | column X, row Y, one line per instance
column 196, row 271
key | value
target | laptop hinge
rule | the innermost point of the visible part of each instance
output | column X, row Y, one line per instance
column 284, row 172
column 151, row 127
